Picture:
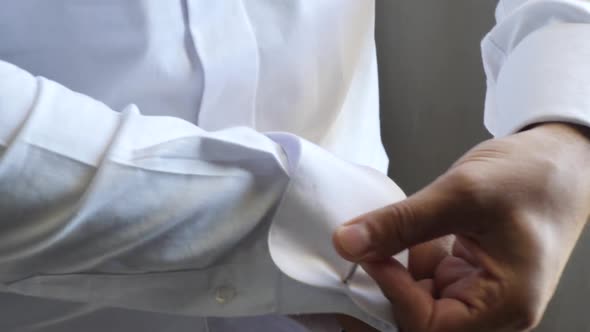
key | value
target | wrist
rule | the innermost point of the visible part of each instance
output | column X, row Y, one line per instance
column 568, row 147
column 565, row 132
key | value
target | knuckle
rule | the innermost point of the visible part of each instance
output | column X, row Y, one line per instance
column 481, row 199
column 468, row 184
column 471, row 191
column 393, row 230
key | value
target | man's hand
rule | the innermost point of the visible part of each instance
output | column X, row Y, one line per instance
column 515, row 206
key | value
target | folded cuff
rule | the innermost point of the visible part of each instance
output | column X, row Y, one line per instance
column 324, row 193
column 545, row 78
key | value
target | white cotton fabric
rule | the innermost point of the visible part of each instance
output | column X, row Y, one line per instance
column 536, row 63
column 172, row 166
column 142, row 209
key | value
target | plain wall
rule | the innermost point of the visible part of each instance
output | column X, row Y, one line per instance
column 432, row 96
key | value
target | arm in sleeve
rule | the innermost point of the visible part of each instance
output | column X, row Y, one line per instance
column 138, row 211
column 84, row 188
column 536, row 63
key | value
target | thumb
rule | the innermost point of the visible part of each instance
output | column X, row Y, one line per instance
column 424, row 216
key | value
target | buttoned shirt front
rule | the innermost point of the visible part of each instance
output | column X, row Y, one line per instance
column 162, row 162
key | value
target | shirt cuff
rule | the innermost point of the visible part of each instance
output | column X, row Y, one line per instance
column 545, row 78
column 324, row 193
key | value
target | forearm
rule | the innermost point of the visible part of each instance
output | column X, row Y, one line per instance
column 87, row 189
column 535, row 60
column 153, row 213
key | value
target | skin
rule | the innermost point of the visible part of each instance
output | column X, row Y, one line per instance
column 488, row 240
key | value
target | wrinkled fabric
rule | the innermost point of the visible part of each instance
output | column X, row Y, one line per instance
column 165, row 162
column 137, row 168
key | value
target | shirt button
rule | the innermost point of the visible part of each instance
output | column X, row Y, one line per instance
column 224, row 294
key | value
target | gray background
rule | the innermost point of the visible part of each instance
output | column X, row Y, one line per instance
column 432, row 93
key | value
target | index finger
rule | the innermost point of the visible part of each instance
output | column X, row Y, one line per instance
column 414, row 307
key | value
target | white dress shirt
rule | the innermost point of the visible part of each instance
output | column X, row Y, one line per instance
column 210, row 149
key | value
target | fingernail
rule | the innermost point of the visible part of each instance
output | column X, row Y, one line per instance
column 354, row 239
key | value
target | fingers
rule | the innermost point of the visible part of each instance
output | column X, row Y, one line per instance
column 450, row 270
column 411, row 302
column 414, row 307
column 461, row 251
column 425, row 257
column 425, row 216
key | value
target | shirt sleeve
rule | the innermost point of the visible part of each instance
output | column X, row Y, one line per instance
column 536, row 63
column 143, row 212
column 85, row 188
